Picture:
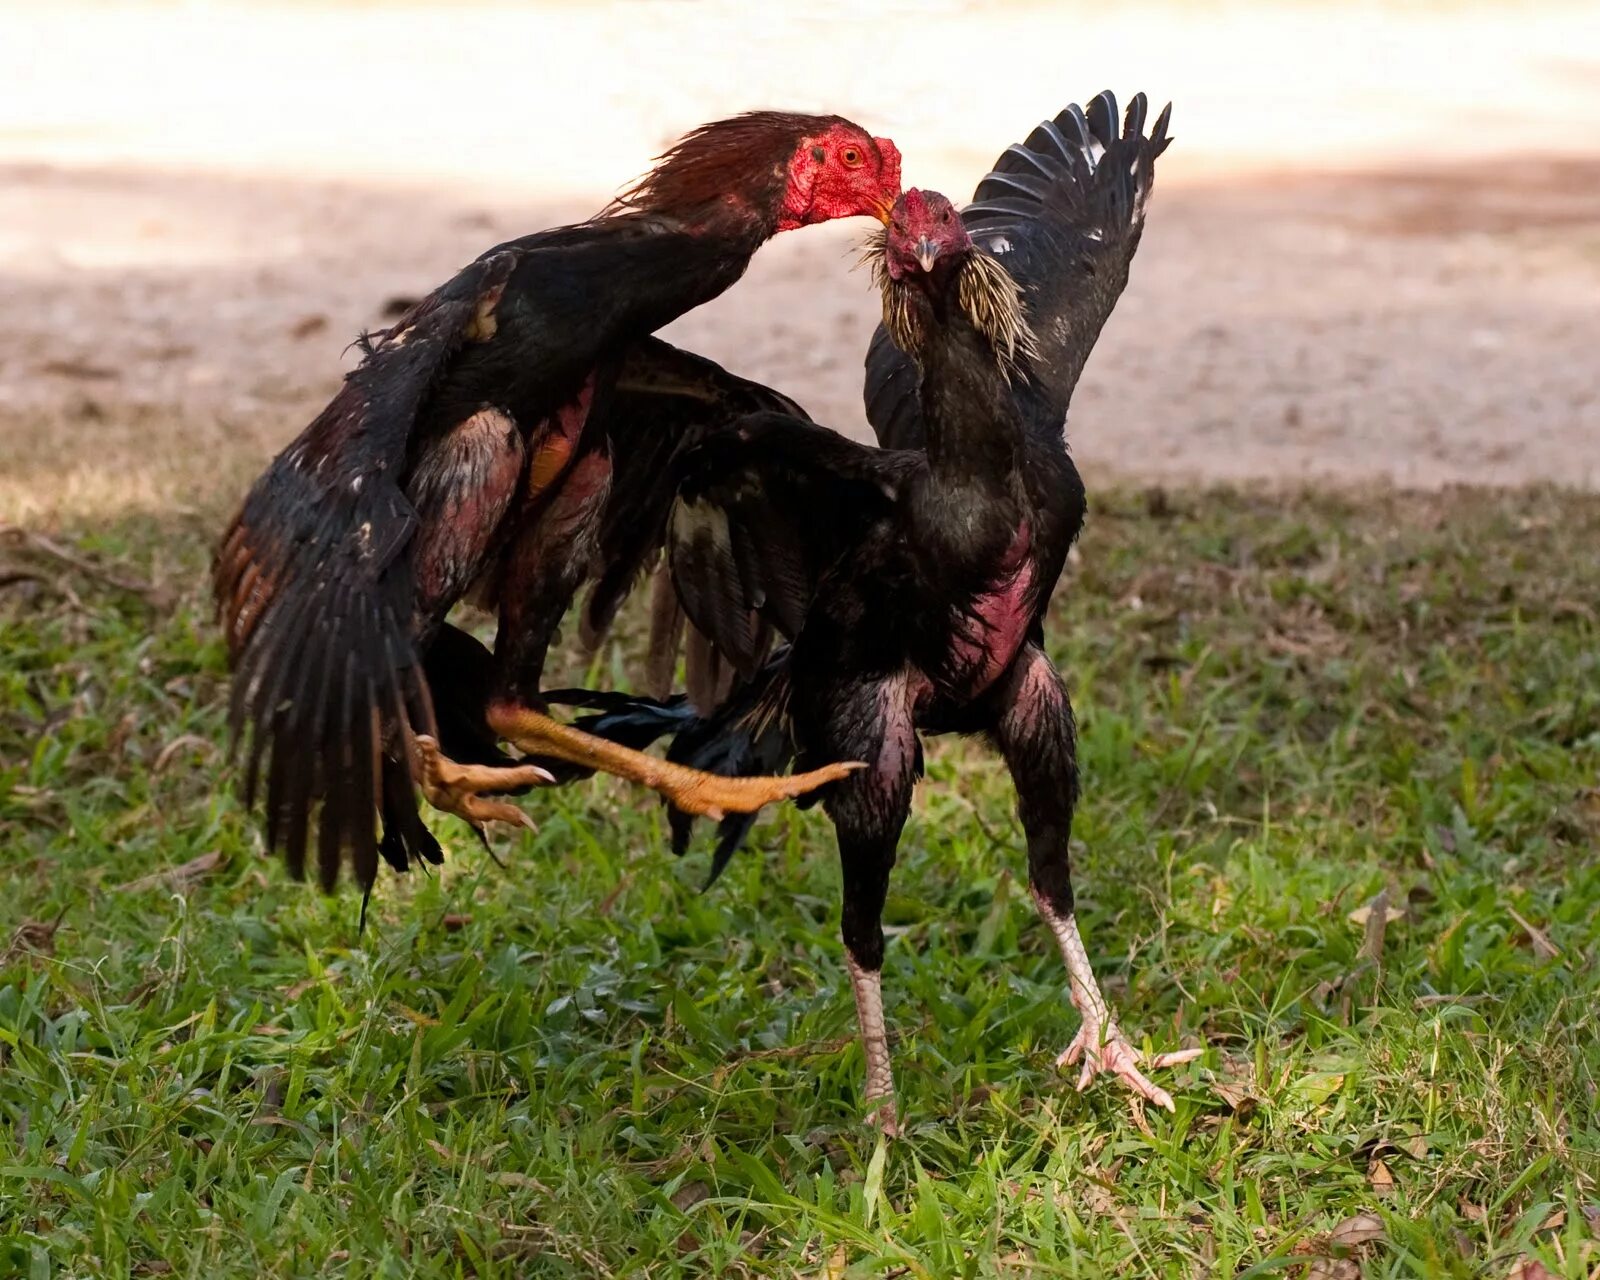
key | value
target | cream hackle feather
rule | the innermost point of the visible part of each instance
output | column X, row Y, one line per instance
column 985, row 291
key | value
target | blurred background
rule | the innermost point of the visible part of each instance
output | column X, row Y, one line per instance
column 1374, row 252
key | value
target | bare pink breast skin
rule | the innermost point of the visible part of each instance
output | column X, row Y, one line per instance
column 997, row 621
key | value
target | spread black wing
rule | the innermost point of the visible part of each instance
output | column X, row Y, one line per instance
column 315, row 594
column 762, row 513
column 666, row 401
column 1063, row 211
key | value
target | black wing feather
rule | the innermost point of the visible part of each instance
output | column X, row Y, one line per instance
column 315, row 592
column 762, row 512
column 666, row 400
column 1064, row 212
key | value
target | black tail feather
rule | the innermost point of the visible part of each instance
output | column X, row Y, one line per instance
column 734, row 741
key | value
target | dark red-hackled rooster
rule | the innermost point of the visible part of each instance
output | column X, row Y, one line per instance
column 913, row 581
column 474, row 448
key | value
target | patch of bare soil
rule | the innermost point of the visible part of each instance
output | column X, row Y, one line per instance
column 164, row 333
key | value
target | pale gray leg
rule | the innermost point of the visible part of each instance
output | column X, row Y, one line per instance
column 1100, row 1042
column 868, row 988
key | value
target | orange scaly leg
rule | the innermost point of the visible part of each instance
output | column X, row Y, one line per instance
column 458, row 788
column 705, row 795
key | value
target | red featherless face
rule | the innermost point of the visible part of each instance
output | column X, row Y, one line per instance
column 843, row 172
column 924, row 227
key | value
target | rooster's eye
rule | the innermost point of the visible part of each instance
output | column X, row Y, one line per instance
column 945, row 217
column 851, row 157
column 897, row 227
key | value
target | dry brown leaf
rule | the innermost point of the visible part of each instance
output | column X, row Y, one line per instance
column 1237, row 1096
column 1333, row 1269
column 1378, row 915
column 689, row 1195
column 1362, row 915
column 179, row 878
column 833, row 1269
column 1354, row 1232
column 1530, row 1269
column 1380, row 1179
column 453, row 920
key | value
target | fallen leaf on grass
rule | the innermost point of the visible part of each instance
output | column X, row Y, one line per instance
column 1354, row 1232
column 1362, row 915
column 684, row 1199
column 180, row 878
column 1333, row 1269
column 1237, row 1096
column 1380, row 1179
column 1530, row 1269
column 1375, row 919
column 1591, row 1215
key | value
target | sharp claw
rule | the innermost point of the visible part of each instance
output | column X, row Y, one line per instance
column 1113, row 1054
column 457, row 788
column 1174, row 1059
column 884, row 1119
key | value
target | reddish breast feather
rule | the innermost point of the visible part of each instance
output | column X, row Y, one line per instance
column 996, row 621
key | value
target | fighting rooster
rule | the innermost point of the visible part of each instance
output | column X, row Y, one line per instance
column 473, row 450
column 912, row 581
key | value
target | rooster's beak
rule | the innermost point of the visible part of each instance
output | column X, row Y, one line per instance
column 927, row 253
column 882, row 209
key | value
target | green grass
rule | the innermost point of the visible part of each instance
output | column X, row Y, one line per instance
column 582, row 1066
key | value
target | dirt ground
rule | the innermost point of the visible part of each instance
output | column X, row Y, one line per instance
column 1347, row 273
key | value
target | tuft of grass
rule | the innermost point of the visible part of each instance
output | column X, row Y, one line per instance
column 1295, row 710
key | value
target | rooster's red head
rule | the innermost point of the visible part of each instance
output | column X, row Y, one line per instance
column 924, row 230
column 789, row 170
column 923, row 260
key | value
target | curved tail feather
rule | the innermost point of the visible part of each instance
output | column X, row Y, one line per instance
column 744, row 737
